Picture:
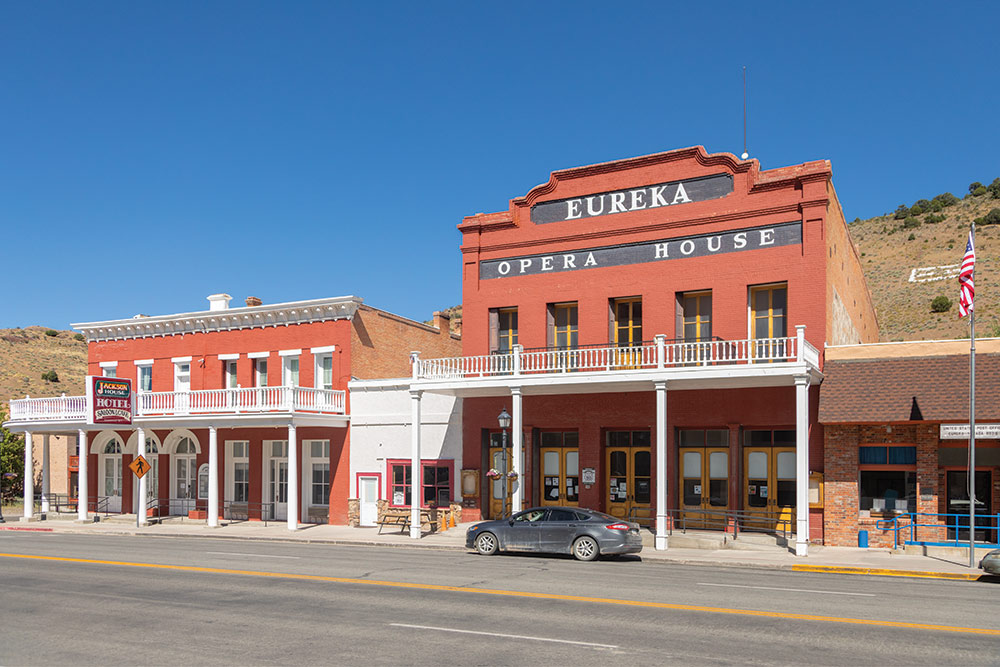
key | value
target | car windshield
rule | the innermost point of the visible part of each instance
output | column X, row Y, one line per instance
column 530, row 515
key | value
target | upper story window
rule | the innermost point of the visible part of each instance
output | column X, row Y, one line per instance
column 144, row 375
column 259, row 369
column 229, row 377
column 768, row 311
column 323, row 371
column 562, row 324
column 109, row 369
column 626, row 323
column 290, row 367
column 503, row 329
column 182, row 374
column 695, row 316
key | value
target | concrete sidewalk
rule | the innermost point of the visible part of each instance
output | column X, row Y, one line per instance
column 844, row 560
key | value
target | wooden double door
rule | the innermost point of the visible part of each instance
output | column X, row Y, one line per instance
column 560, row 468
column 704, row 486
column 769, row 487
column 628, row 477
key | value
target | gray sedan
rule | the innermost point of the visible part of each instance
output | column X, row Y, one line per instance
column 582, row 532
column 991, row 562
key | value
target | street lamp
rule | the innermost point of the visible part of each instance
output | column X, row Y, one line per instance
column 504, row 420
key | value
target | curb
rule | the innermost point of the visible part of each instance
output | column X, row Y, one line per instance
column 882, row 572
column 32, row 530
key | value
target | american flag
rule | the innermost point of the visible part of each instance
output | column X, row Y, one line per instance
column 965, row 285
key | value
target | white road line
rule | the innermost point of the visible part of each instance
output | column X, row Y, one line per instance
column 500, row 634
column 792, row 590
column 233, row 553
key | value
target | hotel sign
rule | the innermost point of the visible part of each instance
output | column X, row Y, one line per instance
column 737, row 240
column 109, row 400
column 961, row 431
column 633, row 199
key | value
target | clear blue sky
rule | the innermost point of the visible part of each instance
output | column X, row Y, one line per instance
column 154, row 153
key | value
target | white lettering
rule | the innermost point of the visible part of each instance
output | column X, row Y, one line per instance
column 687, row 247
column 681, row 196
column 637, row 203
column 546, row 263
column 661, row 250
column 569, row 261
column 766, row 236
column 740, row 240
column 617, row 203
column 718, row 243
column 657, row 195
column 503, row 268
column 573, row 208
column 525, row 263
column 590, row 205
column 590, row 260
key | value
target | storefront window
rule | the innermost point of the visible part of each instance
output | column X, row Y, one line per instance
column 435, row 483
column 889, row 490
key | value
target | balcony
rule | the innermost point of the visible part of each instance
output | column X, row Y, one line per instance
column 206, row 402
column 751, row 362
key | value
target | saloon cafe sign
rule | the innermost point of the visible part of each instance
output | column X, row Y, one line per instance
column 739, row 240
column 109, row 400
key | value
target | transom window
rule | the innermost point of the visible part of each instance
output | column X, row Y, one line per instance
column 696, row 437
column 186, row 446
column 113, row 447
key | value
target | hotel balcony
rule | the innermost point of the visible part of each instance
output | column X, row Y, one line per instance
column 242, row 406
column 608, row 368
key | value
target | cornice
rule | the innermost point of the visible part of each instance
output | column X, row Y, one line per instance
column 249, row 317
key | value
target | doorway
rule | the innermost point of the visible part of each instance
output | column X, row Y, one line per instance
column 769, row 488
column 184, row 473
column 560, row 458
column 628, row 481
column 502, row 488
column 110, row 482
column 368, row 496
column 958, row 504
column 276, row 480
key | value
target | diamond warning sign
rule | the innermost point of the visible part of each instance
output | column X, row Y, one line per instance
column 140, row 466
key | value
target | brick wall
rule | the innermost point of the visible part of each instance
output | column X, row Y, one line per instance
column 381, row 343
column 845, row 279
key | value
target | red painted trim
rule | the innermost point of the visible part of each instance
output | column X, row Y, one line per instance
column 449, row 463
column 357, row 483
column 31, row 530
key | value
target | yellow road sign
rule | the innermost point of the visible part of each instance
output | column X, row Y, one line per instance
column 140, row 466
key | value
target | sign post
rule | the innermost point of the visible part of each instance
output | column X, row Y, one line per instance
column 139, row 466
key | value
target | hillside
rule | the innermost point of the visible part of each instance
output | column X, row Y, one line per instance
column 25, row 354
column 892, row 248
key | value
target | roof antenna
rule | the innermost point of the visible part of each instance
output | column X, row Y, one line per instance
column 745, row 154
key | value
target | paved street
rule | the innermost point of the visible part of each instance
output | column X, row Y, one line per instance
column 225, row 602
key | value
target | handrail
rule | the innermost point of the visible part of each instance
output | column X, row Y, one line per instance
column 766, row 522
column 245, row 511
column 950, row 523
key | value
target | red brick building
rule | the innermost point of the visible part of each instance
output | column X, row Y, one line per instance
column 240, row 412
column 886, row 410
column 655, row 319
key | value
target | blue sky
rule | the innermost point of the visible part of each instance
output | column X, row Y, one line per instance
column 154, row 153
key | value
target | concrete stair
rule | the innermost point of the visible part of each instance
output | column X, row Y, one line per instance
column 714, row 540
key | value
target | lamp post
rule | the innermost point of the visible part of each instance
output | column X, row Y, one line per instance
column 504, row 420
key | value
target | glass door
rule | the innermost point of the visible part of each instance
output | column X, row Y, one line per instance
column 769, row 487
column 629, row 480
column 278, row 487
column 958, row 505
column 185, row 487
column 704, row 487
column 560, row 459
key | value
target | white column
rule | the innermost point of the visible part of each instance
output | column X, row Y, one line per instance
column 29, row 477
column 415, row 464
column 141, row 506
column 213, row 474
column 661, row 466
column 801, row 465
column 45, row 473
column 82, row 492
column 293, row 479
column 517, row 435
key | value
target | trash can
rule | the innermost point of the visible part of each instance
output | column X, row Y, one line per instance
column 863, row 539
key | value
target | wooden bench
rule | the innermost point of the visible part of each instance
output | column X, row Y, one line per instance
column 401, row 518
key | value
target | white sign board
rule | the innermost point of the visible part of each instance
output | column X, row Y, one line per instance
column 961, row 431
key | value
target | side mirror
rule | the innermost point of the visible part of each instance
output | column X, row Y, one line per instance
column 510, row 522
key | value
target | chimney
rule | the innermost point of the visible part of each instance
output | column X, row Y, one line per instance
column 218, row 301
column 442, row 321
column 254, row 301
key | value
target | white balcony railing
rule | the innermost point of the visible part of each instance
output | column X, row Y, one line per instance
column 183, row 403
column 659, row 354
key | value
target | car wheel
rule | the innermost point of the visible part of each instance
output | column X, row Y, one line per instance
column 486, row 544
column 585, row 548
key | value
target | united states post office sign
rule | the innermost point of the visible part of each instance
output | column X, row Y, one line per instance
column 633, row 199
column 737, row 240
column 109, row 400
column 961, row 431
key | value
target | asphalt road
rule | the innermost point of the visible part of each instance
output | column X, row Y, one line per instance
column 216, row 601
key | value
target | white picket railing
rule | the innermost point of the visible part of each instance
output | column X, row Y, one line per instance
column 658, row 354
column 206, row 401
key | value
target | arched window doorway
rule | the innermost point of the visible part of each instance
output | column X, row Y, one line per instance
column 184, row 449
column 109, row 448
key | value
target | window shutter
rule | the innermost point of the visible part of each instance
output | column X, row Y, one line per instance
column 550, row 325
column 611, row 322
column 679, row 319
column 494, row 330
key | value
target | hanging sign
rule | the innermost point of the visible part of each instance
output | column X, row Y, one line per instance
column 109, row 400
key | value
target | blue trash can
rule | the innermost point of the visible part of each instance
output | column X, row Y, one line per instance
column 863, row 539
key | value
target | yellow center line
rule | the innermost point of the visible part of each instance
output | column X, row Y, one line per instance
column 519, row 594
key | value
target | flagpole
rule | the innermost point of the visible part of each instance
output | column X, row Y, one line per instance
column 972, row 422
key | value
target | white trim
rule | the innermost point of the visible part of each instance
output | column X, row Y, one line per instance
column 258, row 355
column 109, row 364
column 229, row 357
column 181, row 360
column 143, row 362
column 290, row 353
column 324, row 349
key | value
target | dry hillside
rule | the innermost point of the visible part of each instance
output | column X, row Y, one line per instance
column 25, row 354
column 890, row 251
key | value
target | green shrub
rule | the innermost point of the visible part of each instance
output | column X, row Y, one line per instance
column 51, row 332
column 941, row 304
column 991, row 218
column 935, row 218
column 911, row 237
column 911, row 223
column 975, row 185
column 916, row 210
column 50, row 376
column 79, row 337
column 979, row 192
column 994, row 188
column 901, row 212
column 946, row 199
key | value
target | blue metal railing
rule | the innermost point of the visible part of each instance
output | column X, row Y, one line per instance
column 947, row 530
